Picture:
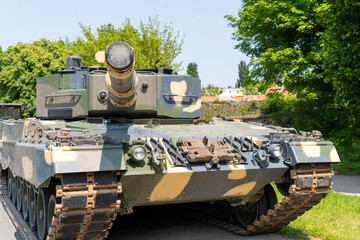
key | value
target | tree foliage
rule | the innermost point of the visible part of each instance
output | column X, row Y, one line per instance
column 150, row 41
column 21, row 64
column 341, row 54
column 248, row 81
column 283, row 39
column 192, row 70
column 313, row 48
column 211, row 90
column 342, row 50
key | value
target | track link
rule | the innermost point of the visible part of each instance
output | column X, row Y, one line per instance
column 312, row 182
column 84, row 207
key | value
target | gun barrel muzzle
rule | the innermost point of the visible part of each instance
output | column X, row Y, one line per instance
column 120, row 61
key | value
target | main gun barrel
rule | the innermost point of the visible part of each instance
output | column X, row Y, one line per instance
column 120, row 61
column 121, row 80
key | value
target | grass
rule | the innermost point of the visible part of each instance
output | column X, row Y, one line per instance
column 335, row 217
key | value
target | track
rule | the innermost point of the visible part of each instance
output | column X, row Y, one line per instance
column 84, row 207
column 311, row 184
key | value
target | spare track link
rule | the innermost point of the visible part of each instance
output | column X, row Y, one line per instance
column 312, row 182
column 87, row 203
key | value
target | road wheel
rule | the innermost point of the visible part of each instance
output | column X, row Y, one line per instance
column 25, row 201
column 13, row 190
column 51, row 211
column 284, row 188
column 9, row 183
column 42, row 212
column 32, row 206
column 248, row 213
column 19, row 195
column 270, row 196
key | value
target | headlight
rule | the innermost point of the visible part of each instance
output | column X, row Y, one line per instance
column 137, row 153
column 276, row 150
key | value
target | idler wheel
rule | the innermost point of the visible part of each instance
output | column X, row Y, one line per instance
column 248, row 213
column 41, row 213
column 25, row 201
column 283, row 188
column 221, row 209
column 270, row 196
column 19, row 195
column 32, row 206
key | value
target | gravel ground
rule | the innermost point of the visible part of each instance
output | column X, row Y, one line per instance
column 7, row 229
column 163, row 222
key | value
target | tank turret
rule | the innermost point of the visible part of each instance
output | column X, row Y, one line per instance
column 117, row 91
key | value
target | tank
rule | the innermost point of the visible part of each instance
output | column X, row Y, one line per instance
column 108, row 140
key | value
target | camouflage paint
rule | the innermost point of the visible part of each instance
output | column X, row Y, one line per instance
column 166, row 96
column 196, row 183
column 179, row 97
column 53, row 92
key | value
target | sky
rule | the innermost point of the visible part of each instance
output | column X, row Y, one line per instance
column 207, row 37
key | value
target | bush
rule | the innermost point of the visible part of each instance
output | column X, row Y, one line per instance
column 227, row 108
column 277, row 102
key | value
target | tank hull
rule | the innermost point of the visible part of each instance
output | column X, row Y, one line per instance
column 89, row 168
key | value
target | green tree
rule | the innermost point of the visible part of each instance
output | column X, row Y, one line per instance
column 244, row 74
column 192, row 70
column 0, row 58
column 150, row 41
column 21, row 64
column 283, row 40
column 342, row 51
column 313, row 48
column 249, row 82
